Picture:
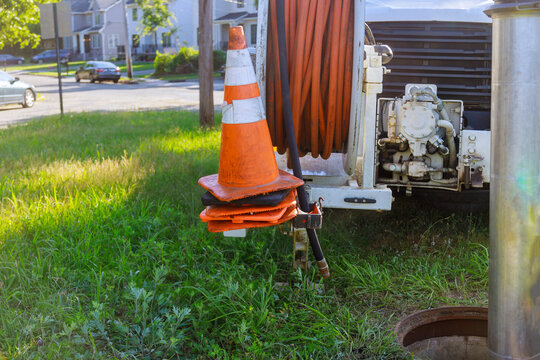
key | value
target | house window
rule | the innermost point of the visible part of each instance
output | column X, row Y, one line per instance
column 253, row 35
column 166, row 39
column 240, row 3
column 68, row 43
column 95, row 41
column 135, row 40
column 97, row 19
column 134, row 14
column 113, row 41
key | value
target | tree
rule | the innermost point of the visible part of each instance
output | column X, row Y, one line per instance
column 15, row 18
column 156, row 14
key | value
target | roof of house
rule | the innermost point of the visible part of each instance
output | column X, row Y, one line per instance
column 95, row 28
column 89, row 29
column 80, row 5
column 84, row 5
column 103, row 4
column 82, row 29
column 232, row 16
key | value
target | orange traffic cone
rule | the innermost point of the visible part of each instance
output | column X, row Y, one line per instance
column 227, row 225
column 225, row 210
column 230, row 217
column 247, row 165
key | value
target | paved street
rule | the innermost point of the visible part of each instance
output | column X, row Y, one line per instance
column 107, row 96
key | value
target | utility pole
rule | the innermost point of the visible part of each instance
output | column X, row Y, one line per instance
column 127, row 46
column 206, row 68
column 59, row 70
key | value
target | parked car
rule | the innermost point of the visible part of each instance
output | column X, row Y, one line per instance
column 14, row 91
column 10, row 59
column 98, row 71
column 50, row 55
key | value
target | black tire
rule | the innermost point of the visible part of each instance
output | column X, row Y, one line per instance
column 91, row 78
column 29, row 98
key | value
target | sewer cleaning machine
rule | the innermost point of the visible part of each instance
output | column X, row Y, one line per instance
column 356, row 145
column 319, row 127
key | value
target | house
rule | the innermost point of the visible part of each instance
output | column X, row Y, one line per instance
column 185, row 20
column 228, row 13
column 98, row 29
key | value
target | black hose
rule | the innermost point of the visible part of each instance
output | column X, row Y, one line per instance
column 291, row 137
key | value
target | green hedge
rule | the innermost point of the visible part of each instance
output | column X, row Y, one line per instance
column 185, row 61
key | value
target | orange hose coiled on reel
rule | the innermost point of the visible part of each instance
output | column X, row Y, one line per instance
column 320, row 41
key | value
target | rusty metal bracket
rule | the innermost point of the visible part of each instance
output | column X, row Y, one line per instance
column 300, row 249
column 311, row 220
column 477, row 178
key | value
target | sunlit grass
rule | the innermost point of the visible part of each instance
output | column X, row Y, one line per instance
column 103, row 255
column 44, row 67
column 50, row 69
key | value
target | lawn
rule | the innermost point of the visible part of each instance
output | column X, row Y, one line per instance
column 49, row 69
column 173, row 77
column 44, row 67
column 103, row 255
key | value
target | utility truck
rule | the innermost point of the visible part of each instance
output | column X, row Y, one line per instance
column 419, row 105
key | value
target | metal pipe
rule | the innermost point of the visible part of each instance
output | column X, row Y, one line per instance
column 291, row 137
column 415, row 92
column 514, row 259
column 450, row 139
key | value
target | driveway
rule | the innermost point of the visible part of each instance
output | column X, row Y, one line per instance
column 107, row 96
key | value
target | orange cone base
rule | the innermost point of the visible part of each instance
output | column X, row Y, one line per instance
column 271, row 216
column 223, row 225
column 225, row 210
column 229, row 193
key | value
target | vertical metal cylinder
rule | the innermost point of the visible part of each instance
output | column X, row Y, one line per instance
column 514, row 262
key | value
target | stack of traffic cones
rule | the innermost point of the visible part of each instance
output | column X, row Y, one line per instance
column 249, row 190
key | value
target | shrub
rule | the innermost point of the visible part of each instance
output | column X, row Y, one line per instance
column 194, row 61
column 185, row 61
column 181, row 62
column 161, row 63
column 187, row 55
column 220, row 57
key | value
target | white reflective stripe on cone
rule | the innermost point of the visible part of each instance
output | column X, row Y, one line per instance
column 243, row 75
column 243, row 111
column 239, row 69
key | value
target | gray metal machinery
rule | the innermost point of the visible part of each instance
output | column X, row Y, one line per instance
column 416, row 141
column 514, row 263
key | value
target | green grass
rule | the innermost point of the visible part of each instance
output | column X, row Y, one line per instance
column 49, row 69
column 103, row 255
column 44, row 67
column 139, row 66
column 168, row 77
